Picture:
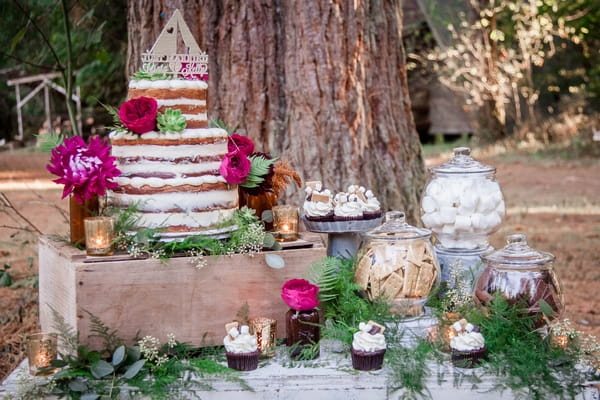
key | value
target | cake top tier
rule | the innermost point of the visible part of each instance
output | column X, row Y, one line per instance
column 166, row 61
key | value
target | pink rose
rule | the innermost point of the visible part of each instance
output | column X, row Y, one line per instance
column 300, row 294
column 235, row 167
column 139, row 115
column 241, row 143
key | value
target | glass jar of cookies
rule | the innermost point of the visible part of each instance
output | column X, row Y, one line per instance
column 522, row 275
column 396, row 264
column 462, row 204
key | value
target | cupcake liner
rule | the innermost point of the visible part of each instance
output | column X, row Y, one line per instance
column 321, row 218
column 468, row 359
column 372, row 214
column 243, row 361
column 342, row 218
column 367, row 360
column 341, row 226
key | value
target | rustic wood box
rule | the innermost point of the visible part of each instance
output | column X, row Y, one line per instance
column 149, row 297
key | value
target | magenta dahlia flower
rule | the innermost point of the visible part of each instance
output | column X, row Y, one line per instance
column 86, row 171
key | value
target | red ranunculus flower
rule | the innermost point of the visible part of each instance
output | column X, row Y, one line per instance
column 86, row 171
column 300, row 294
column 241, row 143
column 139, row 114
column 235, row 167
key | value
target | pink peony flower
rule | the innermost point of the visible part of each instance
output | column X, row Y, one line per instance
column 300, row 294
column 235, row 167
column 241, row 143
column 139, row 114
column 86, row 171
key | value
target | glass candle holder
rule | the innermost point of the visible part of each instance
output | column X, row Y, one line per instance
column 42, row 349
column 265, row 331
column 99, row 234
column 285, row 223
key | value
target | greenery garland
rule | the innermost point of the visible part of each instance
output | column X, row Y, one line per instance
column 519, row 358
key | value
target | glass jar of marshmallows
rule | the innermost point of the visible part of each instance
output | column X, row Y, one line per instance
column 462, row 203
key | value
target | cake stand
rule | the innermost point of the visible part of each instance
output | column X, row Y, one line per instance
column 343, row 236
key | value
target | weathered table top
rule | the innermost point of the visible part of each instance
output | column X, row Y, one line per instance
column 332, row 377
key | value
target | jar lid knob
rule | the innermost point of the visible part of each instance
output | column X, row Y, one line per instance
column 516, row 238
column 398, row 216
column 462, row 151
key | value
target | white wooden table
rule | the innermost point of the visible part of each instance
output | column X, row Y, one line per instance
column 332, row 377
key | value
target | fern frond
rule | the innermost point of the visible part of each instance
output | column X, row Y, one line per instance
column 68, row 336
column 325, row 274
column 99, row 329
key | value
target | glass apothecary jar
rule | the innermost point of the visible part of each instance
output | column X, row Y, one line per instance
column 396, row 263
column 521, row 273
column 462, row 203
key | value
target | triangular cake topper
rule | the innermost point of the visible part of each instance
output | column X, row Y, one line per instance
column 163, row 57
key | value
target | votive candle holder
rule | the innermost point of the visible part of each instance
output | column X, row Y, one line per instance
column 265, row 331
column 42, row 349
column 99, row 235
column 285, row 223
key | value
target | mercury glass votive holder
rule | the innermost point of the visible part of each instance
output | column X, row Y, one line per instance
column 285, row 223
column 265, row 331
column 99, row 235
column 42, row 349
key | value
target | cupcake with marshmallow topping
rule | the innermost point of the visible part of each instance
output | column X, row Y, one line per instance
column 318, row 205
column 241, row 347
column 368, row 347
column 467, row 346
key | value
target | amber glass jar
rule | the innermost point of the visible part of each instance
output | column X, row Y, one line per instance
column 302, row 330
column 77, row 213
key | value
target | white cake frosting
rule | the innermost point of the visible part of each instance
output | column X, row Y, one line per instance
column 317, row 209
column 239, row 342
column 365, row 341
column 167, row 84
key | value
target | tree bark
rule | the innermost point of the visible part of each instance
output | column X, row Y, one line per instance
column 319, row 83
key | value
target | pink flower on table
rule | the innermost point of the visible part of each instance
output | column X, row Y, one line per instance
column 300, row 294
column 235, row 167
column 86, row 171
column 241, row 143
column 139, row 114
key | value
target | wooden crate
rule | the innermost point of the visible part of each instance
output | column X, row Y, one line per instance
column 148, row 297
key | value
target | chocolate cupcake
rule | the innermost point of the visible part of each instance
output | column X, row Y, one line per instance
column 468, row 359
column 318, row 204
column 368, row 347
column 347, row 208
column 243, row 361
column 241, row 348
column 468, row 346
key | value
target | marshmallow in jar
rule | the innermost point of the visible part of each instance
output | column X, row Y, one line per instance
column 462, row 203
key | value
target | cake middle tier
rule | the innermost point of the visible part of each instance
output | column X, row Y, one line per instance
column 173, row 179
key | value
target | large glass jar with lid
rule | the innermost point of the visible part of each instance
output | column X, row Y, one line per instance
column 521, row 274
column 396, row 264
column 462, row 203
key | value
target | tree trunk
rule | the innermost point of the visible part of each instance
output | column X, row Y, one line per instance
column 319, row 83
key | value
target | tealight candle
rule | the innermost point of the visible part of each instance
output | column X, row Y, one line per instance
column 285, row 223
column 99, row 234
column 42, row 349
column 265, row 331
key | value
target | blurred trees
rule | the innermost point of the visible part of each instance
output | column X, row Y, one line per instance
column 36, row 42
column 514, row 61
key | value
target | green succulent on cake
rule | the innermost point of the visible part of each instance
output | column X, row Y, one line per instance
column 171, row 121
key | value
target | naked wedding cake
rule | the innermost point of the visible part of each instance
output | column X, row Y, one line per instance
column 168, row 157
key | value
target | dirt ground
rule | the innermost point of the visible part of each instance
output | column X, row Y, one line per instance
column 556, row 203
